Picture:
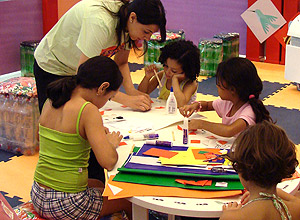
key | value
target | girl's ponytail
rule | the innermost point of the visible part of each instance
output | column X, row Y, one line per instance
column 259, row 109
column 60, row 91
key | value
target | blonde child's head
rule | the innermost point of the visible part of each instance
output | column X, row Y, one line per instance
column 264, row 155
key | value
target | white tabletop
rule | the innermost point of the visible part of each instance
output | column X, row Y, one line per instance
column 174, row 205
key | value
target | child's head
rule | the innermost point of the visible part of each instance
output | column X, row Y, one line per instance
column 264, row 155
column 186, row 54
column 90, row 75
column 240, row 75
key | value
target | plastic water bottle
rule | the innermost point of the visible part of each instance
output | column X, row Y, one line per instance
column 171, row 105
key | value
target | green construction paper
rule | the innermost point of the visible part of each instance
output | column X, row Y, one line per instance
column 168, row 173
column 164, row 180
column 202, row 152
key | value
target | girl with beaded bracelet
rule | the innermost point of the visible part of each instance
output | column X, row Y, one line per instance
column 239, row 106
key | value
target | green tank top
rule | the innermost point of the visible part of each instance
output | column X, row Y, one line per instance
column 63, row 159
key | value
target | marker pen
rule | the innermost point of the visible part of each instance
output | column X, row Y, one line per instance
column 160, row 143
column 185, row 129
column 140, row 137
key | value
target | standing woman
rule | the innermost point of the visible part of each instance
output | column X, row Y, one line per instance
column 98, row 27
column 91, row 28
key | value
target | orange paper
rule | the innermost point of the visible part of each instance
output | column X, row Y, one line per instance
column 222, row 142
column 195, row 141
column 122, row 143
column 195, row 183
column 132, row 189
column 179, row 128
column 192, row 133
column 202, row 156
column 102, row 112
column 160, row 153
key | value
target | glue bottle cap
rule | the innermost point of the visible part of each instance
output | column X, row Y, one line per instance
column 185, row 123
column 171, row 90
column 152, row 142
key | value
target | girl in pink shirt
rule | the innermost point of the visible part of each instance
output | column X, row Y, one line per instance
column 239, row 87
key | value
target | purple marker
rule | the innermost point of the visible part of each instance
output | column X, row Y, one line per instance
column 140, row 137
column 185, row 129
column 160, row 143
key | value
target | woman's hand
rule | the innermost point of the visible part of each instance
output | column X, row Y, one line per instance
column 139, row 102
column 188, row 110
column 114, row 138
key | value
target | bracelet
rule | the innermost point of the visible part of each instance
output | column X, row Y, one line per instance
column 200, row 106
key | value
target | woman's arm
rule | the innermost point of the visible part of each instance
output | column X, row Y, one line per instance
column 219, row 128
column 134, row 98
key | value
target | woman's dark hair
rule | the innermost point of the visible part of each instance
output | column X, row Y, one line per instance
column 186, row 54
column 90, row 75
column 264, row 154
column 147, row 12
column 241, row 74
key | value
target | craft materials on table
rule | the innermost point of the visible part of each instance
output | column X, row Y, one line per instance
column 144, row 167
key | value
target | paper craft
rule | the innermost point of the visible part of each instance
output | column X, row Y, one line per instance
column 122, row 143
column 195, row 141
column 145, row 164
column 131, row 189
column 114, row 189
column 167, row 180
column 222, row 184
column 138, row 121
column 160, row 153
column 195, row 183
column 263, row 19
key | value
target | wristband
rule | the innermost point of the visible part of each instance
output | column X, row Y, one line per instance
column 200, row 106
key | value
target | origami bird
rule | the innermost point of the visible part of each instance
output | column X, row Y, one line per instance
column 266, row 20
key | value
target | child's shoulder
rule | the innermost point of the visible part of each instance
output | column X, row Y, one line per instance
column 294, row 207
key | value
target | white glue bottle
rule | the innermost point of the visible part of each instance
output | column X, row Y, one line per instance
column 171, row 105
column 185, row 130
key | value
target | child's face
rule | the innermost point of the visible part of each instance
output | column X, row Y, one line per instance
column 224, row 92
column 172, row 67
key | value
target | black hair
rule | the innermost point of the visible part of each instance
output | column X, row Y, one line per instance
column 147, row 12
column 186, row 54
column 264, row 154
column 90, row 75
column 241, row 74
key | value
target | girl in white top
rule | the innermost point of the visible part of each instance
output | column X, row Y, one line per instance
column 239, row 87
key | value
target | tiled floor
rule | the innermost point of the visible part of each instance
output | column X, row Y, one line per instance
column 279, row 95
